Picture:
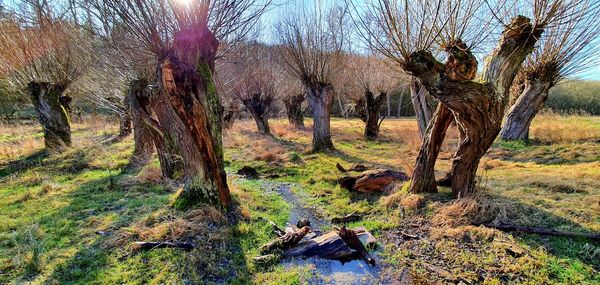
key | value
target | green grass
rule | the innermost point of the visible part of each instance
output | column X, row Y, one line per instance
column 53, row 207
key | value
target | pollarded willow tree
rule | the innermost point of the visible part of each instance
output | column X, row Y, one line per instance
column 42, row 58
column 477, row 105
column 184, row 39
column 565, row 50
column 293, row 100
column 310, row 49
column 374, row 82
column 256, row 82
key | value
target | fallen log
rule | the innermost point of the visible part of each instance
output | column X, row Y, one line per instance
column 542, row 231
column 347, row 219
column 352, row 240
column 147, row 245
column 372, row 180
column 330, row 246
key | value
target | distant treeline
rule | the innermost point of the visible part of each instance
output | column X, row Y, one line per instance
column 568, row 97
column 575, row 96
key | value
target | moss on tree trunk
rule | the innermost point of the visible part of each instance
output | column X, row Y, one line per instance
column 52, row 108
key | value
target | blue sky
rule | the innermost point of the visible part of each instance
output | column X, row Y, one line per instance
column 282, row 7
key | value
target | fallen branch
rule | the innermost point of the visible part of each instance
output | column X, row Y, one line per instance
column 147, row 245
column 542, row 231
column 286, row 241
column 276, row 229
column 352, row 240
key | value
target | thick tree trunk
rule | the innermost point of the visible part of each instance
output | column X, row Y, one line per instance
column 519, row 116
column 320, row 98
column 125, row 119
column 373, row 106
column 423, row 177
column 418, row 95
column 293, row 109
column 52, row 108
column 149, row 134
column 258, row 107
column 186, row 77
column 478, row 107
column 143, row 137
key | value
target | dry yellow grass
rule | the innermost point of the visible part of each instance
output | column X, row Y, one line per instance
column 549, row 127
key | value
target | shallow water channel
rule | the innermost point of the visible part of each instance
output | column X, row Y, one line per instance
column 324, row 271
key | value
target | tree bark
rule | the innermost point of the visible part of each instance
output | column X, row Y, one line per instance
column 423, row 177
column 320, row 98
column 143, row 137
column 519, row 116
column 418, row 95
column 293, row 109
column 373, row 107
column 186, row 77
column 258, row 107
column 52, row 108
column 147, row 110
column 478, row 107
column 125, row 119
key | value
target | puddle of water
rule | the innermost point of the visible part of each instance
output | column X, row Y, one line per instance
column 355, row 272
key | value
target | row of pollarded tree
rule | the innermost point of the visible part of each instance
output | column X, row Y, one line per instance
column 170, row 50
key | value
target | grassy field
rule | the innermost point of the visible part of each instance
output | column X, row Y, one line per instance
column 72, row 218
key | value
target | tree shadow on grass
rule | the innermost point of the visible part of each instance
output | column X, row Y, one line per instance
column 23, row 164
column 97, row 259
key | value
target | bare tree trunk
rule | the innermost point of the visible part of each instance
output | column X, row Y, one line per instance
column 388, row 112
column 320, row 98
column 293, row 109
column 143, row 137
column 52, row 108
column 478, row 107
column 423, row 178
column 341, row 106
column 258, row 108
column 229, row 117
column 519, row 116
column 186, row 77
column 418, row 94
column 373, row 106
column 400, row 104
column 150, row 134
column 125, row 119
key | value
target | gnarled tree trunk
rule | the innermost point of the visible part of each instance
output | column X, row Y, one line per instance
column 320, row 98
column 373, row 106
column 528, row 104
column 423, row 177
column 478, row 107
column 258, row 106
column 186, row 77
column 149, row 133
column 52, row 108
column 293, row 109
column 143, row 136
